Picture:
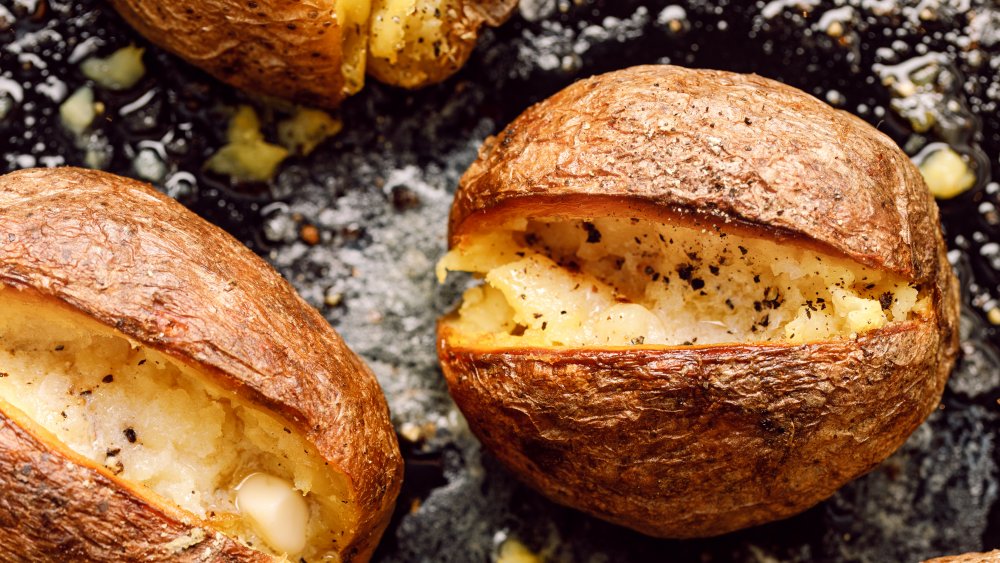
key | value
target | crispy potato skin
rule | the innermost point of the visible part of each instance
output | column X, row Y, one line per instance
column 285, row 48
column 699, row 441
column 988, row 557
column 137, row 261
column 412, row 70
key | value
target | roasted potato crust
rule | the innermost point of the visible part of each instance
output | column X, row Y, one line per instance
column 137, row 261
column 988, row 557
column 702, row 440
column 285, row 48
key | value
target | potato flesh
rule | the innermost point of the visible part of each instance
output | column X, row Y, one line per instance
column 626, row 282
column 408, row 36
column 155, row 422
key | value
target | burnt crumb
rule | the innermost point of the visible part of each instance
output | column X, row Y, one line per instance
column 593, row 235
column 112, row 452
column 130, row 435
column 714, row 270
column 108, row 378
column 743, row 250
column 697, row 283
column 747, row 121
column 756, row 278
column 885, row 300
column 693, row 256
column 684, row 271
column 518, row 330
column 86, row 393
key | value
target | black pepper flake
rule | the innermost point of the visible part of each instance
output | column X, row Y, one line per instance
column 519, row 254
column 130, row 435
column 697, row 283
column 885, row 300
column 108, row 378
column 545, row 325
column 562, row 312
column 714, row 270
column 756, row 278
column 141, row 362
column 4, row 374
column 530, row 239
column 870, row 286
column 518, row 330
column 537, row 315
column 638, row 340
column 743, row 250
column 593, row 235
column 684, row 271
column 85, row 393
column 649, row 270
column 60, row 348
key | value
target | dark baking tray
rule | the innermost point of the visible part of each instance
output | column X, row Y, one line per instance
column 378, row 196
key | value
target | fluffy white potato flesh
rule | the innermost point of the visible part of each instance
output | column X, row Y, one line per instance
column 158, row 423
column 627, row 282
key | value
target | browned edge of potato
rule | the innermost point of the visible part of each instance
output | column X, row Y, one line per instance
column 135, row 260
column 312, row 52
column 987, row 557
column 701, row 440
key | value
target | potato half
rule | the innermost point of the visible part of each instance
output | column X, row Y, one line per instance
column 165, row 394
column 709, row 299
column 315, row 52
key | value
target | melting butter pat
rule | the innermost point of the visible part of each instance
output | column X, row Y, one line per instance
column 275, row 511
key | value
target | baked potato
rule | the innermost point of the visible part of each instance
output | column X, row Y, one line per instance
column 988, row 557
column 165, row 394
column 315, row 52
column 708, row 300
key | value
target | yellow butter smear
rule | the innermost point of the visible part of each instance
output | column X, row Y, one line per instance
column 626, row 282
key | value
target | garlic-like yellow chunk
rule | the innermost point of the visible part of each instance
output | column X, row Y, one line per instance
column 275, row 511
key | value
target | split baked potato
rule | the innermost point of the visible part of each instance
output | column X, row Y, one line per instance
column 315, row 52
column 165, row 394
column 708, row 300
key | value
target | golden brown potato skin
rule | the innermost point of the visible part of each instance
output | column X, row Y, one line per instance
column 137, row 261
column 699, row 441
column 989, row 557
column 285, row 48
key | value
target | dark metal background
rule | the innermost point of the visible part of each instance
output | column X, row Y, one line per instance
column 379, row 192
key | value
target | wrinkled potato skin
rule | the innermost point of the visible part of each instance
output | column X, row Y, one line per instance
column 137, row 261
column 989, row 557
column 699, row 441
column 421, row 64
column 290, row 49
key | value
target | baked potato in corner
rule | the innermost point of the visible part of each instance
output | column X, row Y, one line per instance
column 708, row 300
column 315, row 52
column 988, row 557
column 164, row 394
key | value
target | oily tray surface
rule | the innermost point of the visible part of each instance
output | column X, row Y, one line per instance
column 358, row 225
